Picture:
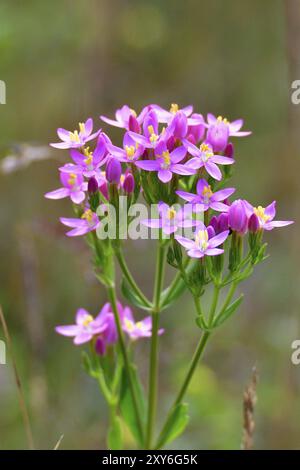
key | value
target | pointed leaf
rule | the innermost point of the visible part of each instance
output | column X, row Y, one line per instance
column 175, row 425
column 131, row 296
column 228, row 311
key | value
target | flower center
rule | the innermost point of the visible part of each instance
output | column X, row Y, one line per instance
column 171, row 213
column 89, row 157
column 201, row 240
column 207, row 193
column 130, row 150
column 206, row 152
column 174, row 108
column 166, row 160
column 153, row 136
column 87, row 320
column 88, row 215
column 260, row 213
column 129, row 324
column 221, row 119
column 74, row 136
column 73, row 179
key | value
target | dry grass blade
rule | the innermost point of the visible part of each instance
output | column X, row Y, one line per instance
column 58, row 442
column 22, row 401
column 249, row 401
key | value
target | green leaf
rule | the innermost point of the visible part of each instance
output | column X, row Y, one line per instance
column 175, row 425
column 114, row 436
column 228, row 311
column 131, row 296
column 88, row 365
column 126, row 404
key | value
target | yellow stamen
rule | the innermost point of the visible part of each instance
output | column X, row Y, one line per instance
column 74, row 136
column 87, row 215
column 260, row 213
column 87, row 320
column 133, row 112
column 206, row 149
column 171, row 213
column 207, row 192
column 129, row 324
column 174, row 108
column 130, row 150
column 153, row 136
column 82, row 127
column 167, row 159
column 201, row 239
column 221, row 119
column 73, row 179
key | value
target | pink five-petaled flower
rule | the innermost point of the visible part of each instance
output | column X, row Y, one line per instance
column 73, row 186
column 88, row 161
column 139, row 329
column 220, row 129
column 203, row 244
column 166, row 163
column 85, row 329
column 266, row 215
column 171, row 219
column 126, row 118
column 130, row 152
column 205, row 157
column 152, row 137
column 206, row 198
column 76, row 139
column 89, row 221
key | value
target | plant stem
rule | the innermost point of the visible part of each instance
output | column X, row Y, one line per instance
column 153, row 370
column 213, row 305
column 113, row 301
column 128, row 276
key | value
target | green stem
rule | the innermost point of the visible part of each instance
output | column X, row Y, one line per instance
column 153, row 370
column 128, row 276
column 113, row 301
column 213, row 305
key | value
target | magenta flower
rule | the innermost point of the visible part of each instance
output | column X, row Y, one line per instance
column 89, row 162
column 205, row 157
column 220, row 129
column 219, row 223
column 206, row 198
column 238, row 217
column 165, row 116
column 266, row 215
column 204, row 244
column 196, row 132
column 73, row 186
column 76, row 139
column 89, row 221
column 130, row 152
column 110, row 335
column 126, row 118
column 139, row 329
column 171, row 219
column 152, row 137
column 167, row 163
column 85, row 328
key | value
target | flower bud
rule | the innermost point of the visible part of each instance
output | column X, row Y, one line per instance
column 229, row 150
column 253, row 223
column 133, row 124
column 196, row 132
column 223, row 222
column 237, row 217
column 180, row 125
column 214, row 223
column 113, row 171
column 128, row 184
column 217, row 136
column 93, row 185
column 211, row 231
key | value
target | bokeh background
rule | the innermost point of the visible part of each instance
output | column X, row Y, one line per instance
column 65, row 60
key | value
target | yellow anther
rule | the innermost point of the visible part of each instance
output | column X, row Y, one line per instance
column 87, row 320
column 122, row 179
column 174, row 108
column 167, row 159
column 129, row 324
column 206, row 149
column 74, row 136
column 87, row 215
column 73, row 179
column 221, row 119
column 201, row 239
column 82, row 127
column 171, row 213
column 207, row 192
column 260, row 213
column 133, row 112
column 153, row 136
column 130, row 150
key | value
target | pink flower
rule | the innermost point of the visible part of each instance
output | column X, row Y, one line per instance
column 73, row 186
column 170, row 219
column 85, row 328
column 89, row 221
column 266, row 215
column 203, row 244
column 76, row 139
column 139, row 329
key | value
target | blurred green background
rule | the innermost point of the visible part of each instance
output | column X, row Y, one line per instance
column 65, row 60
